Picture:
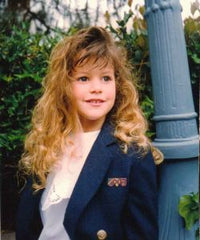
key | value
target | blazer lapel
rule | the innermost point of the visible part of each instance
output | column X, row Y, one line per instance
column 90, row 178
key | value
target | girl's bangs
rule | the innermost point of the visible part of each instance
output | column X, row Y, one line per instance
column 100, row 57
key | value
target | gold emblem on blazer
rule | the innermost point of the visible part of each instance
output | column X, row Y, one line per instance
column 101, row 234
column 117, row 182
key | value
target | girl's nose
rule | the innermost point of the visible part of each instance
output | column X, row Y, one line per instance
column 96, row 86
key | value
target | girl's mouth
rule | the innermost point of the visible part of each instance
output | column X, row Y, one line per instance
column 95, row 102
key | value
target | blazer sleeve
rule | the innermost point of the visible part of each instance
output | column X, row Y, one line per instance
column 28, row 221
column 141, row 215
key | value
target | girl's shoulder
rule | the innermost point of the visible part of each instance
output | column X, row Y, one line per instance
column 141, row 157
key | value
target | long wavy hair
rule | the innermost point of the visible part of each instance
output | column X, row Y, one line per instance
column 55, row 118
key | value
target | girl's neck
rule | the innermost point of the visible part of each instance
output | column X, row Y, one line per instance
column 91, row 126
column 91, row 130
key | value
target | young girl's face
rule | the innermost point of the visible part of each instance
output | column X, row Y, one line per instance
column 94, row 91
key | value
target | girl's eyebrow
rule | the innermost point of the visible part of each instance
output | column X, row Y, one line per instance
column 108, row 73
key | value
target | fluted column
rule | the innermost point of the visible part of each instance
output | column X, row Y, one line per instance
column 176, row 128
column 175, row 118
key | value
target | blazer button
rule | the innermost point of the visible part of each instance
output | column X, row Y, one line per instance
column 101, row 234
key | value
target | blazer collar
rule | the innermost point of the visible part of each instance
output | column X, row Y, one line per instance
column 91, row 176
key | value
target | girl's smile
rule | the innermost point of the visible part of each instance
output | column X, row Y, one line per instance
column 94, row 91
column 95, row 102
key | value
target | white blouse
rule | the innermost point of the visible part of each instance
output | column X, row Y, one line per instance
column 60, row 185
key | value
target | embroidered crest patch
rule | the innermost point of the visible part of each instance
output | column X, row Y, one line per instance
column 117, row 182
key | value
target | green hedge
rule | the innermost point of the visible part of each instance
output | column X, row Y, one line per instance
column 23, row 64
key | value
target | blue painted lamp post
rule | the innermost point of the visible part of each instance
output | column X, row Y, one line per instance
column 175, row 118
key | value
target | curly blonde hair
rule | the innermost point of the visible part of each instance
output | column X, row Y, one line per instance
column 54, row 117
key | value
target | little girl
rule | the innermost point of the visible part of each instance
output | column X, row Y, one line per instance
column 89, row 166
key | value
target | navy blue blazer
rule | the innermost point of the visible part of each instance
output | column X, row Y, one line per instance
column 115, row 192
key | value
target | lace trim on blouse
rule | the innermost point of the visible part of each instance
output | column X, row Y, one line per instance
column 61, row 181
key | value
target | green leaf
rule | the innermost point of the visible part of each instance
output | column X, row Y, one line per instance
column 188, row 209
column 196, row 58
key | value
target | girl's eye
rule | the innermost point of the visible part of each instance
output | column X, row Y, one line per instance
column 83, row 79
column 107, row 78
